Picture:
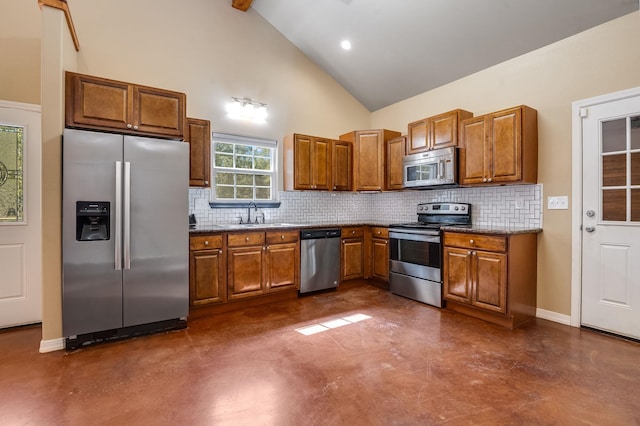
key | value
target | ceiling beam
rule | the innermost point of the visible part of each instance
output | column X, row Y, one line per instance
column 242, row 5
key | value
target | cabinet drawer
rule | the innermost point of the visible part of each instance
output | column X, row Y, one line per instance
column 202, row 242
column 379, row 232
column 476, row 241
column 277, row 237
column 352, row 232
column 248, row 239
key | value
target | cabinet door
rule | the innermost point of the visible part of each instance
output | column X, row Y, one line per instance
column 506, row 146
column 245, row 267
column 321, row 164
column 342, row 165
column 158, row 111
column 369, row 153
column 380, row 262
column 418, row 136
column 457, row 285
column 490, row 286
column 394, row 171
column 198, row 135
column 206, row 281
column 443, row 128
column 93, row 102
column 475, row 152
column 352, row 258
column 282, row 265
column 303, row 173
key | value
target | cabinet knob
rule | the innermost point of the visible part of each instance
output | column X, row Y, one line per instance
column 282, row 237
column 469, row 252
column 484, row 179
column 353, row 232
column 246, row 238
column 129, row 126
column 206, row 182
column 489, row 180
column 471, row 242
column 206, row 243
column 220, row 251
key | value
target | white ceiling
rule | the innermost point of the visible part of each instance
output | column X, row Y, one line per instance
column 402, row 48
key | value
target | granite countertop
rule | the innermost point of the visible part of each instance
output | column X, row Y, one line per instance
column 487, row 229
column 234, row 227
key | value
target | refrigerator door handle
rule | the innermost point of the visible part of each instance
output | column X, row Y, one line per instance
column 127, row 215
column 118, row 217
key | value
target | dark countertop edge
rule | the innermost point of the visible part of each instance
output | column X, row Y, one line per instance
column 288, row 226
column 491, row 230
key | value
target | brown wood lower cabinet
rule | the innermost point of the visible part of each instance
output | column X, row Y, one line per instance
column 256, row 264
column 352, row 253
column 492, row 277
column 207, row 277
column 380, row 253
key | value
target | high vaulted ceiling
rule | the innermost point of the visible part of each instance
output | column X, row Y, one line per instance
column 401, row 48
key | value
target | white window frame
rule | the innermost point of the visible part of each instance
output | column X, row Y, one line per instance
column 244, row 140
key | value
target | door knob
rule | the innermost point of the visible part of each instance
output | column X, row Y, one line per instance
column 590, row 228
column 590, row 213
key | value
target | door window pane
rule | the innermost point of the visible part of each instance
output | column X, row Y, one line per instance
column 635, row 168
column 614, row 170
column 635, row 132
column 614, row 205
column 614, row 135
column 11, row 174
column 635, row 205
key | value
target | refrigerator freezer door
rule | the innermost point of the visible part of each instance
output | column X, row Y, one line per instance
column 92, row 287
column 156, row 287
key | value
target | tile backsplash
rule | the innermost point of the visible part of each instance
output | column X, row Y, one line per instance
column 512, row 206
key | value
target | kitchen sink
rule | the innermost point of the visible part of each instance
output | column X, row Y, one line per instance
column 259, row 225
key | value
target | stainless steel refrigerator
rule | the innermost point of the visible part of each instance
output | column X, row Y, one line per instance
column 125, row 231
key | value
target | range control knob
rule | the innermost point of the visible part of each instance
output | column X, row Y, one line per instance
column 457, row 208
column 463, row 208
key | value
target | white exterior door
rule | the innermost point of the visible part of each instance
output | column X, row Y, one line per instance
column 20, row 215
column 611, row 216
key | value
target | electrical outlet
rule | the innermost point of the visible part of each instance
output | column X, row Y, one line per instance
column 558, row 203
column 519, row 204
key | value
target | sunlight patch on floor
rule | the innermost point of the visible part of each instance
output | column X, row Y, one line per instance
column 335, row 323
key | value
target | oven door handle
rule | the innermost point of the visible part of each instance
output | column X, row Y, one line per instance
column 414, row 237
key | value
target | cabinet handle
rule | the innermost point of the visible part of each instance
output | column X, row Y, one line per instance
column 246, row 238
column 282, row 237
column 129, row 126
column 135, row 127
column 353, row 232
column 489, row 180
column 206, row 182
column 206, row 243
column 472, row 242
column 220, row 251
column 484, row 179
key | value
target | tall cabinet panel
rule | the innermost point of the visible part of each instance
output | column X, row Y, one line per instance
column 198, row 135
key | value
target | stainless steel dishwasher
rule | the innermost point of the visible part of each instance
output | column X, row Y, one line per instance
column 319, row 259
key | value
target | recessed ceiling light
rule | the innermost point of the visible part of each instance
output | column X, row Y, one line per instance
column 346, row 44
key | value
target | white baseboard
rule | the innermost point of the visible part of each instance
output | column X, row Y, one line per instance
column 553, row 316
column 51, row 345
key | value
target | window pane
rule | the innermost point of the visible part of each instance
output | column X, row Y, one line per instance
column 244, row 149
column 635, row 205
column 614, row 170
column 614, row 205
column 224, row 160
column 635, row 132
column 224, row 178
column 224, row 192
column 11, row 174
column 242, row 179
column 244, row 162
column 244, row 193
column 263, row 180
column 263, row 163
column 614, row 135
column 263, row 193
column 224, row 147
column 635, row 168
column 262, row 152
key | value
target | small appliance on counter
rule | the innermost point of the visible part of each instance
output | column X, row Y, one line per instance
column 415, row 252
column 192, row 221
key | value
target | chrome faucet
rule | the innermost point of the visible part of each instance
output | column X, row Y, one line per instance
column 255, row 207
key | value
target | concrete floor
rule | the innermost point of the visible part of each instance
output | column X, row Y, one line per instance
column 392, row 361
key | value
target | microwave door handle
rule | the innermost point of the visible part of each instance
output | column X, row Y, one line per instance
column 441, row 169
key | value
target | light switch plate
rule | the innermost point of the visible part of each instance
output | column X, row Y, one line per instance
column 558, row 203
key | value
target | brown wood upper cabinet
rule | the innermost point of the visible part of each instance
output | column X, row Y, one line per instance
column 198, row 135
column 439, row 131
column 395, row 149
column 312, row 162
column 500, row 148
column 369, row 157
column 103, row 104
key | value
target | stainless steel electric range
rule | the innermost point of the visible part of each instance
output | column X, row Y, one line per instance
column 415, row 255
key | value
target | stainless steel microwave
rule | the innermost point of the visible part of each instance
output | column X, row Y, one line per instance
column 431, row 168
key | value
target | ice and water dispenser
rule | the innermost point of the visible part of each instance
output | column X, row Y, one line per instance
column 92, row 220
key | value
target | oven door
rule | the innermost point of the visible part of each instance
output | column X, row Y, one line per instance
column 415, row 254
